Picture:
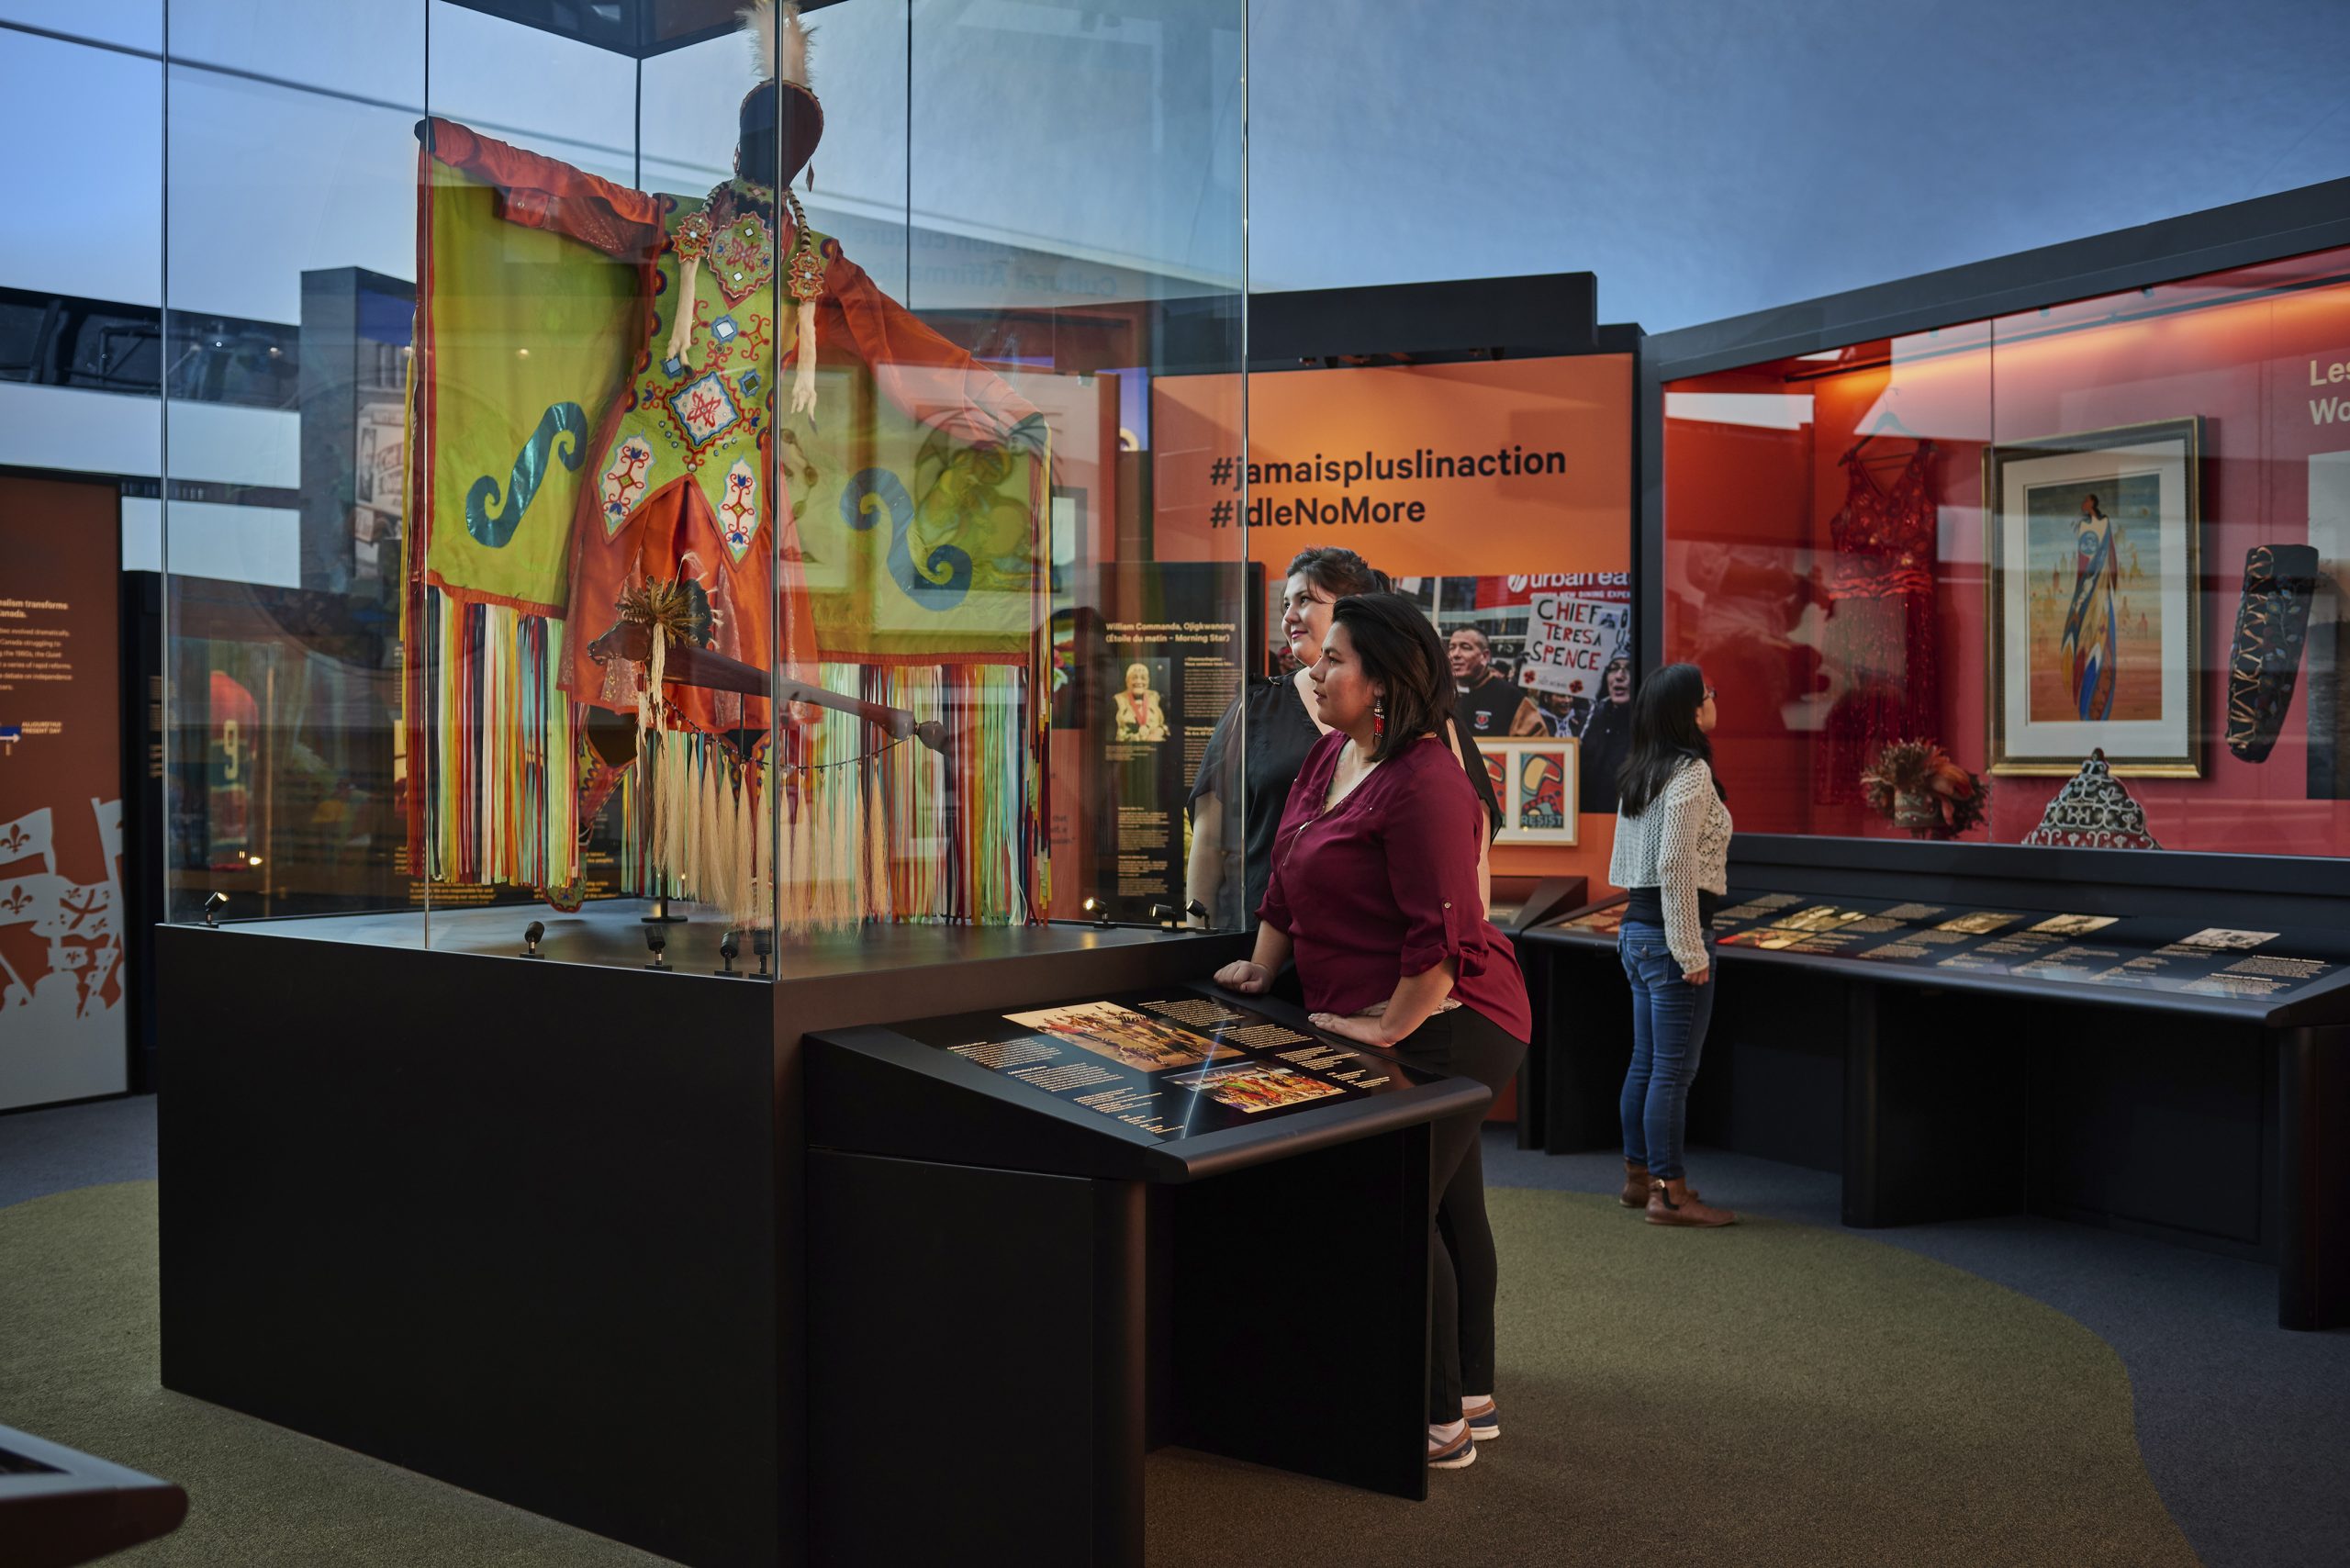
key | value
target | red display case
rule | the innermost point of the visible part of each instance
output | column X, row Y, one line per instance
column 2117, row 523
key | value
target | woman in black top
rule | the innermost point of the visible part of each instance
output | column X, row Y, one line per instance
column 1227, row 869
column 1606, row 736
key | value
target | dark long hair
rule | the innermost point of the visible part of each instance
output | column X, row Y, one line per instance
column 1337, row 571
column 1399, row 650
column 1664, row 734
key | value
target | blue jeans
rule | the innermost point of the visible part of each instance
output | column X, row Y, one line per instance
column 1668, row 1018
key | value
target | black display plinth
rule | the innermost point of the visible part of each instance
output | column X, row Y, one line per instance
column 535, row 1227
column 1058, row 1268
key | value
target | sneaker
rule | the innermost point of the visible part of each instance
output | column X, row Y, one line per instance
column 1485, row 1420
column 1457, row 1454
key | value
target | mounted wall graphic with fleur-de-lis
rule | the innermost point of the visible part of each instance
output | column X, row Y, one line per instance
column 81, row 908
column 62, row 976
column 26, row 837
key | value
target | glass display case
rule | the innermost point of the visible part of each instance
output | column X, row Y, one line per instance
column 718, row 453
column 2072, row 576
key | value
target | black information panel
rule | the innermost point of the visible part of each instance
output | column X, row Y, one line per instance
column 1174, row 1066
column 2137, row 951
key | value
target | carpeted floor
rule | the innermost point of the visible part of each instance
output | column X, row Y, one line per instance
column 78, row 1365
column 63, row 1146
column 1786, row 1396
column 2243, row 1425
column 1799, row 1396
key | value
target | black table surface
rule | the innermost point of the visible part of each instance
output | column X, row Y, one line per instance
column 960, row 1077
column 2166, row 962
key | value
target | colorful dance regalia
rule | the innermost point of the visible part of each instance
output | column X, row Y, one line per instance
column 627, row 347
column 1882, row 645
column 2091, row 643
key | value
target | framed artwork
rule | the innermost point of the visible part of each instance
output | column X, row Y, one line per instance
column 1537, row 785
column 2094, row 554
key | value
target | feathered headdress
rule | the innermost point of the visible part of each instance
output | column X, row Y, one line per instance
column 786, row 58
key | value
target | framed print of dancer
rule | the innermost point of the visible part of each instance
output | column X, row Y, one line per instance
column 2094, row 546
column 2092, row 629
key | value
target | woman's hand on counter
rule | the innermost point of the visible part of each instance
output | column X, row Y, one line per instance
column 1363, row 1030
column 1244, row 976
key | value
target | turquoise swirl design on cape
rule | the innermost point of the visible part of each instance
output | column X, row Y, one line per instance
column 873, row 490
column 495, row 528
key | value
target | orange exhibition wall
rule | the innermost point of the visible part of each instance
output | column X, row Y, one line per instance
column 1490, row 467
column 1514, row 472
column 2042, row 545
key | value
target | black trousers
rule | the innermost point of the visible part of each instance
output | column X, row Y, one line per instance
column 1461, row 1044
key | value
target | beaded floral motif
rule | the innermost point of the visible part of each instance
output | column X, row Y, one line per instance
column 704, row 410
column 624, row 481
column 804, row 274
column 807, row 278
column 739, row 515
column 742, row 256
column 692, row 237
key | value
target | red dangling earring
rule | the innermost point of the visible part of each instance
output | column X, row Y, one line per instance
column 1378, row 720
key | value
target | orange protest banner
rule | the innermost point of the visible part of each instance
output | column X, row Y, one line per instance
column 1500, row 492
column 1451, row 470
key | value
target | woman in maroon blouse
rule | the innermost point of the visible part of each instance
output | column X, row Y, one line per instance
column 1374, row 892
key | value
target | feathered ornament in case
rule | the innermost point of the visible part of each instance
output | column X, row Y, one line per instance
column 1914, row 785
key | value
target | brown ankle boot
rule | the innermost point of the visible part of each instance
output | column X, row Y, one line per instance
column 1672, row 1203
column 1636, row 1186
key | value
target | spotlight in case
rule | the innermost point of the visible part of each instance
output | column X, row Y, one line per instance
column 727, row 948
column 531, row 936
column 657, row 939
column 763, row 944
column 1099, row 910
column 212, row 908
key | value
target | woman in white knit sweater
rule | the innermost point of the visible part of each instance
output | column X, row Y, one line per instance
column 1671, row 853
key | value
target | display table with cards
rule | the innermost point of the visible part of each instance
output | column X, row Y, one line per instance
column 2169, row 1060
column 1044, row 1240
column 538, row 1227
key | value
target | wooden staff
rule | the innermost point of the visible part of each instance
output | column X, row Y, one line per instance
column 685, row 664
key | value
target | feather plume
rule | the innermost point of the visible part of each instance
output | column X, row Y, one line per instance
column 773, row 56
column 678, row 612
column 1942, row 799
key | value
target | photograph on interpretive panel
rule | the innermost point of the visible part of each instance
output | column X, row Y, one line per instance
column 1981, row 923
column 1819, row 918
column 2072, row 925
column 2225, row 939
column 1139, row 1041
column 1254, row 1089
